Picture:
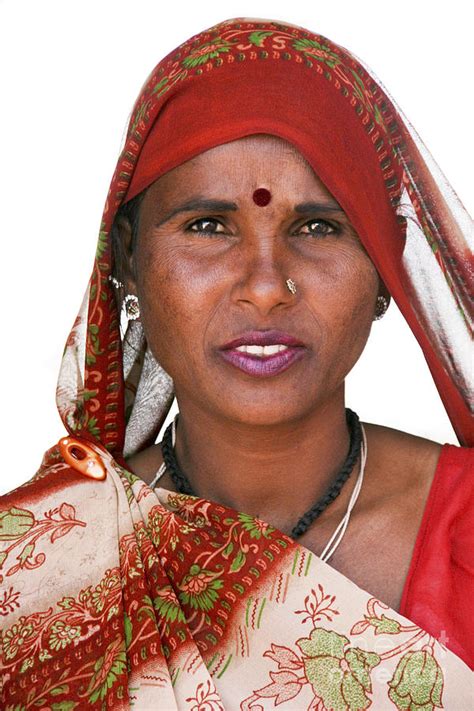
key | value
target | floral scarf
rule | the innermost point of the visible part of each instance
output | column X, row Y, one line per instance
column 115, row 595
column 118, row 596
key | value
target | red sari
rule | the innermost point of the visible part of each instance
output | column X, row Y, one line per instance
column 439, row 589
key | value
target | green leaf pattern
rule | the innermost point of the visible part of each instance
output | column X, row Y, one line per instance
column 200, row 588
column 340, row 672
column 417, row 683
column 205, row 52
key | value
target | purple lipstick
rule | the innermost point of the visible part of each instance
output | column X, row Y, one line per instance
column 263, row 353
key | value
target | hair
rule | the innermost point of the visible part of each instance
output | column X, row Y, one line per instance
column 131, row 212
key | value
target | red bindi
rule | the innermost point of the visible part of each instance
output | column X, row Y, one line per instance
column 262, row 197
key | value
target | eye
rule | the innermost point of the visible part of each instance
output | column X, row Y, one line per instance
column 205, row 226
column 319, row 228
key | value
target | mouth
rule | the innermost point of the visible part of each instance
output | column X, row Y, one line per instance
column 263, row 353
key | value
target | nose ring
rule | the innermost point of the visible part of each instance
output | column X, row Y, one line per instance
column 291, row 286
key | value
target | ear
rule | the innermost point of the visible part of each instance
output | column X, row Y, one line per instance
column 383, row 291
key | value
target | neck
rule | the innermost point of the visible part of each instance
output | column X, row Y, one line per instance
column 272, row 472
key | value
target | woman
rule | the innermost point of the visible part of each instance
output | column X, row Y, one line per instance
column 270, row 550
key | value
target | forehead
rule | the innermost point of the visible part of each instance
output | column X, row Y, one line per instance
column 244, row 164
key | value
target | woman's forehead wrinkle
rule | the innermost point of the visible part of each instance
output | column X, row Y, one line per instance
column 240, row 168
column 252, row 162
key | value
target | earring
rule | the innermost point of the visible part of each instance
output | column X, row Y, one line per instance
column 380, row 308
column 291, row 286
column 115, row 282
column 131, row 306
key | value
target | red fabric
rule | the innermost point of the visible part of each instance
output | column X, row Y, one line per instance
column 439, row 590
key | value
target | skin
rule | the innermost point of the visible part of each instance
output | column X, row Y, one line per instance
column 198, row 291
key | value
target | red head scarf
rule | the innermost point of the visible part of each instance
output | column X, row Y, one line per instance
column 246, row 77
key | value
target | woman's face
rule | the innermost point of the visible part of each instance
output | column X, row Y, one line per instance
column 211, row 268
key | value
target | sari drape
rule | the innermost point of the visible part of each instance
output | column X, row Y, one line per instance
column 115, row 595
column 149, row 599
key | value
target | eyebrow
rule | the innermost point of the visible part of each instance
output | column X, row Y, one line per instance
column 198, row 204
column 318, row 207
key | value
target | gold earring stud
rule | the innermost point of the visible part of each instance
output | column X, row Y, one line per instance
column 291, row 286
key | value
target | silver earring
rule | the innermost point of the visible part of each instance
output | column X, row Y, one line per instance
column 115, row 282
column 380, row 307
column 132, row 307
column 291, row 286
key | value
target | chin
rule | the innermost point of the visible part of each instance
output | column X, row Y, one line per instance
column 263, row 412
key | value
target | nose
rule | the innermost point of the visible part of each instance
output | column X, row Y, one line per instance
column 262, row 283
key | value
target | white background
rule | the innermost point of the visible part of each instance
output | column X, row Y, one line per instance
column 69, row 73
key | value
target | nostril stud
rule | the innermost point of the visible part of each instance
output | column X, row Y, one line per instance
column 262, row 197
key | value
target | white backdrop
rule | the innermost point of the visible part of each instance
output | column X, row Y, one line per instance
column 70, row 72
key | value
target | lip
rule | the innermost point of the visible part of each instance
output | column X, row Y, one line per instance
column 266, row 366
column 263, row 338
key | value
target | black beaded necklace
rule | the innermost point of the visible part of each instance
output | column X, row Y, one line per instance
column 183, row 486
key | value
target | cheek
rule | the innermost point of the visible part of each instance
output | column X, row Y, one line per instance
column 343, row 301
column 176, row 302
column 358, row 297
column 351, row 281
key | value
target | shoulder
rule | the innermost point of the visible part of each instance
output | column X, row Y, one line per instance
column 418, row 454
column 404, row 464
column 401, row 457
